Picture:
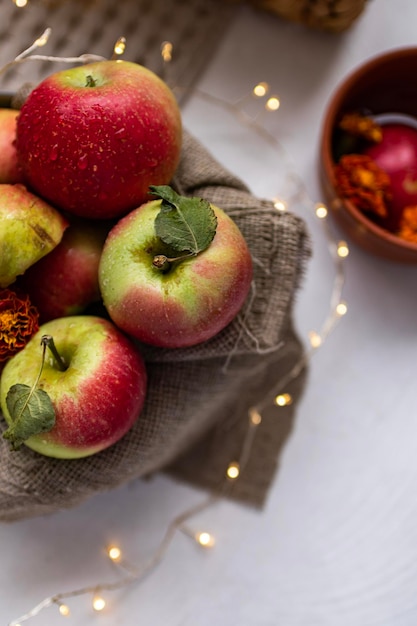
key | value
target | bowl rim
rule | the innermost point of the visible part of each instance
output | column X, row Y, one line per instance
column 333, row 107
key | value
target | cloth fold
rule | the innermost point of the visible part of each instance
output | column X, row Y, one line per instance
column 196, row 413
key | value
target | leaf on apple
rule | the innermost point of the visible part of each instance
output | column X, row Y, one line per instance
column 32, row 413
column 185, row 224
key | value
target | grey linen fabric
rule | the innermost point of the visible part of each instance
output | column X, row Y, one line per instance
column 196, row 412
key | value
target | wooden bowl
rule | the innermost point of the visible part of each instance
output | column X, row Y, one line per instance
column 384, row 84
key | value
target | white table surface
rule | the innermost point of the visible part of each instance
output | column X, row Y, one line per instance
column 336, row 544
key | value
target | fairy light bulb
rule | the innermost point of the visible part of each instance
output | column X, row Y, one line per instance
column 255, row 417
column 341, row 309
column 205, row 539
column 342, row 249
column 272, row 104
column 20, row 3
column 283, row 399
column 279, row 205
column 321, row 211
column 233, row 471
column 315, row 339
column 64, row 610
column 260, row 90
column 166, row 51
column 99, row 603
column 120, row 46
column 43, row 39
column 114, row 553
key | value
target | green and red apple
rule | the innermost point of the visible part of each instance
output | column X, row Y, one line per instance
column 65, row 282
column 30, row 229
column 91, row 139
column 96, row 396
column 190, row 299
column 9, row 171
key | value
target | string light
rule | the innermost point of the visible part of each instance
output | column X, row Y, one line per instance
column 43, row 39
column 114, row 553
column 260, row 90
column 278, row 395
column 166, row 51
column 27, row 55
column 280, row 205
column 205, row 539
column 64, row 610
column 272, row 104
column 342, row 249
column 341, row 309
column 321, row 211
column 255, row 417
column 233, row 471
column 315, row 339
column 119, row 46
column 283, row 399
column 20, row 3
column 99, row 603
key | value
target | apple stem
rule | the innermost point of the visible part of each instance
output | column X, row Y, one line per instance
column 163, row 263
column 89, row 81
column 47, row 341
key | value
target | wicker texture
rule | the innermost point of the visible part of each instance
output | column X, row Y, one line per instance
column 194, row 27
column 329, row 15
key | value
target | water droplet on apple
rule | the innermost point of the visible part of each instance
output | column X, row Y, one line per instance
column 120, row 133
column 53, row 154
column 82, row 162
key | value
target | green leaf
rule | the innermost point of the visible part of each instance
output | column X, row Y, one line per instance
column 185, row 224
column 31, row 411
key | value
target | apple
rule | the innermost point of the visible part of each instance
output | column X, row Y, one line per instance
column 92, row 139
column 396, row 154
column 65, row 282
column 181, row 306
column 30, row 229
column 96, row 398
column 9, row 171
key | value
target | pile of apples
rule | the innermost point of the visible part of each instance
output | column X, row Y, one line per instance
column 85, row 168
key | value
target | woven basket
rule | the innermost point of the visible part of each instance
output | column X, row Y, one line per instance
column 329, row 15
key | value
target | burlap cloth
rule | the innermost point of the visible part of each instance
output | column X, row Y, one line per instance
column 195, row 416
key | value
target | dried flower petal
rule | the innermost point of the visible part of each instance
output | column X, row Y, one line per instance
column 408, row 224
column 364, row 183
column 19, row 320
column 361, row 126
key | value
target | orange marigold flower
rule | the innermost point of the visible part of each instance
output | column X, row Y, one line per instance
column 408, row 224
column 361, row 126
column 19, row 320
column 364, row 183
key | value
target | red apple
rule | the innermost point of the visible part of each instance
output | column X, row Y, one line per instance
column 30, row 229
column 9, row 172
column 396, row 154
column 188, row 303
column 92, row 139
column 65, row 281
column 96, row 399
